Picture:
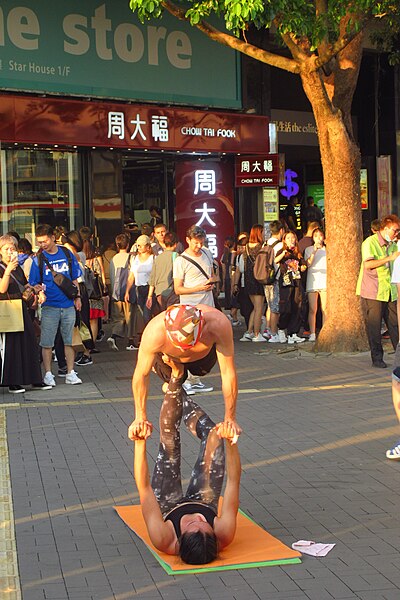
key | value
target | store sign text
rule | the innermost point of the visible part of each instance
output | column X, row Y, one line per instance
column 205, row 181
column 127, row 41
column 257, row 170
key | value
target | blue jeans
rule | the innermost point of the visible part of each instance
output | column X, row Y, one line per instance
column 51, row 318
column 142, row 292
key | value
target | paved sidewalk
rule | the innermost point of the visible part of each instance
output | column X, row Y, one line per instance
column 313, row 453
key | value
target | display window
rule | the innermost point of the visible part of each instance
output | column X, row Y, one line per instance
column 39, row 186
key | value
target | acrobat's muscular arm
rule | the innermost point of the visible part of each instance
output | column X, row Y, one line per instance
column 141, row 428
column 225, row 524
column 225, row 355
column 160, row 532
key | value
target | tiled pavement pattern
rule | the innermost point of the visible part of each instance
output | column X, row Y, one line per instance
column 315, row 434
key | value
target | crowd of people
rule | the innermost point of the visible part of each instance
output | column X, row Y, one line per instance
column 164, row 301
column 139, row 276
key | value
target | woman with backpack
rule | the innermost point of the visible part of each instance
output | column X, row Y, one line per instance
column 125, row 317
column 96, row 302
column 291, row 264
column 253, row 287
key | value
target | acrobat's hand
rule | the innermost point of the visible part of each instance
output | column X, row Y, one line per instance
column 140, row 429
column 228, row 430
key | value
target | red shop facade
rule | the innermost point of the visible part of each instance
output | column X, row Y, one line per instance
column 72, row 163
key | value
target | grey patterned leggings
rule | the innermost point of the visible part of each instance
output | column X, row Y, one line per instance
column 208, row 473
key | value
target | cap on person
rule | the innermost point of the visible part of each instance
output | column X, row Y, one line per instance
column 183, row 324
column 143, row 240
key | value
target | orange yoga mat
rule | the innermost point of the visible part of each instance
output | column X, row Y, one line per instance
column 252, row 547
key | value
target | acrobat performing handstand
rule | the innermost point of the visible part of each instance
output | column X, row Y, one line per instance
column 188, row 524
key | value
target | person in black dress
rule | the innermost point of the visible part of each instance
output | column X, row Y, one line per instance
column 19, row 351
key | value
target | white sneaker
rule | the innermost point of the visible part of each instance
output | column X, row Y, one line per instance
column 112, row 344
column 295, row 339
column 72, row 378
column 274, row 339
column 247, row 337
column 312, row 337
column 201, row 387
column 259, row 338
column 48, row 379
column 188, row 389
column 282, row 336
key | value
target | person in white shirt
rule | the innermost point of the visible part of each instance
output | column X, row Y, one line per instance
column 139, row 275
column 315, row 256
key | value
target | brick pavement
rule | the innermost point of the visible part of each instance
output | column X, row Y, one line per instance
column 316, row 429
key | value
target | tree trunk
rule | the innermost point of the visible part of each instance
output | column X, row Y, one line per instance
column 344, row 328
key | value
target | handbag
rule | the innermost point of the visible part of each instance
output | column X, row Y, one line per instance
column 94, row 284
column 120, row 281
column 77, row 343
column 64, row 283
column 27, row 292
column 11, row 316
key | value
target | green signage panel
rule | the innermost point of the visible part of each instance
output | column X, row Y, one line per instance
column 100, row 49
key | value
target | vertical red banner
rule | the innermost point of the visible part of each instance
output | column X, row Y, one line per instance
column 204, row 197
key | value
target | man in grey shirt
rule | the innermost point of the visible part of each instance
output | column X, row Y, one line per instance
column 194, row 282
column 193, row 270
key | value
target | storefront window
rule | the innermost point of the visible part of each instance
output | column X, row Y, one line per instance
column 39, row 186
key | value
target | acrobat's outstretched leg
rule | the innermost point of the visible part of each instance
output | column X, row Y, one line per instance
column 208, row 473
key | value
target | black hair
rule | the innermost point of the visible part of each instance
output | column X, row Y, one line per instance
column 74, row 238
column 275, row 227
column 25, row 246
column 44, row 229
column 198, row 547
column 196, row 232
column 14, row 234
column 122, row 241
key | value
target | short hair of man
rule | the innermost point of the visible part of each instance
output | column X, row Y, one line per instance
column 310, row 200
column 159, row 225
column 198, row 548
column 195, row 232
column 170, row 239
column 275, row 227
column 44, row 229
column 375, row 225
column 122, row 241
column 389, row 220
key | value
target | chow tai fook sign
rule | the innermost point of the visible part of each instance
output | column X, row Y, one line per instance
column 204, row 197
column 129, row 126
column 258, row 171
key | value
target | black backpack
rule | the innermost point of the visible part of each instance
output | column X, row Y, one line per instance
column 264, row 265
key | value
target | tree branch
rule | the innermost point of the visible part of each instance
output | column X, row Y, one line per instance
column 215, row 34
column 344, row 40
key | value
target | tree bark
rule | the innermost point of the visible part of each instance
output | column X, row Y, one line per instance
column 344, row 328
